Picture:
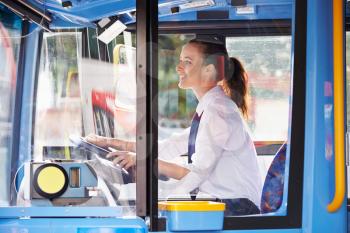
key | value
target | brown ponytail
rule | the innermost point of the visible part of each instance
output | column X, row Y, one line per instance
column 235, row 77
column 235, row 84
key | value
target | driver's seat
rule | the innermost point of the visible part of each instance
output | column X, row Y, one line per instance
column 272, row 193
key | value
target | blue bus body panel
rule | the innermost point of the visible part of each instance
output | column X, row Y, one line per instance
column 74, row 225
column 318, row 183
column 319, row 178
column 20, row 212
column 96, row 225
column 246, row 231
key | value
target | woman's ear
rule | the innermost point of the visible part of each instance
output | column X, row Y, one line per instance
column 210, row 70
column 210, row 67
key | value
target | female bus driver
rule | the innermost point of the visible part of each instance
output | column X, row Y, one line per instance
column 222, row 160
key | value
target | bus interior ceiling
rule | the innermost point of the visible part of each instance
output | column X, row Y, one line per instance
column 79, row 13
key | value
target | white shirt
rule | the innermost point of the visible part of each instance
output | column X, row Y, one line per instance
column 224, row 164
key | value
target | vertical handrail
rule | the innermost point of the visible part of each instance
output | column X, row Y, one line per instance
column 338, row 65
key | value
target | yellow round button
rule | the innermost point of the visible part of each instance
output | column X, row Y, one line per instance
column 51, row 180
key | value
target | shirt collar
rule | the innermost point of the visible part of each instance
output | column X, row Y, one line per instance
column 207, row 97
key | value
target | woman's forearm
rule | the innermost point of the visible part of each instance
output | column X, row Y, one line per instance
column 122, row 145
column 172, row 170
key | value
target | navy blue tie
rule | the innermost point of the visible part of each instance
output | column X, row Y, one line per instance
column 193, row 135
column 191, row 144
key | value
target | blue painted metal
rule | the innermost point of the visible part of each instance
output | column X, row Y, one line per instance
column 60, row 23
column 247, row 231
column 319, row 157
column 19, row 212
column 74, row 225
column 10, row 20
column 91, row 9
column 273, row 11
column 84, row 13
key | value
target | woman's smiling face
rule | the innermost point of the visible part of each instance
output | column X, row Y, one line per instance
column 190, row 67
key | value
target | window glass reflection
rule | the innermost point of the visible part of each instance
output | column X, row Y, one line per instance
column 82, row 101
column 10, row 39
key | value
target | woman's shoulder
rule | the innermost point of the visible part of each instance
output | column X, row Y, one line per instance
column 223, row 105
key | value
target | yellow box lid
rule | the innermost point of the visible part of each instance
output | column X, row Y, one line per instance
column 191, row 206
